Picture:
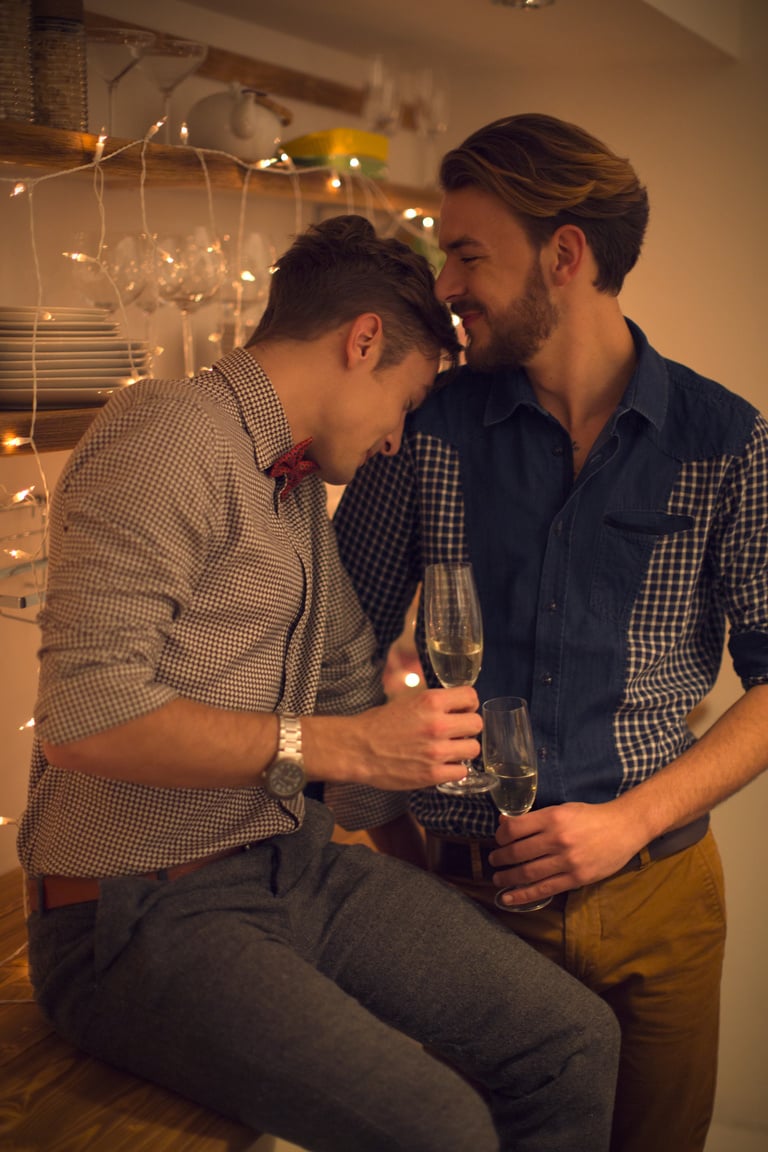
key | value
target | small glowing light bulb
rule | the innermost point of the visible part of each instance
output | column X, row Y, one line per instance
column 18, row 188
column 410, row 213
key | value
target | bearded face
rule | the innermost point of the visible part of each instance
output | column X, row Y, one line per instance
column 508, row 336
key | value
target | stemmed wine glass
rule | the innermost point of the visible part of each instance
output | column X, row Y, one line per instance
column 382, row 103
column 190, row 269
column 454, row 633
column 108, row 269
column 246, row 288
column 167, row 63
column 111, row 53
column 148, row 302
column 428, row 101
column 510, row 757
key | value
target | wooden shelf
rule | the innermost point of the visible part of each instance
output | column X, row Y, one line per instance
column 174, row 166
column 56, row 429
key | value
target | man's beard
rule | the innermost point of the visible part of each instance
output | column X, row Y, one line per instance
column 518, row 333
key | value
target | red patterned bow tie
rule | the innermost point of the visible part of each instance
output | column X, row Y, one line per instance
column 294, row 465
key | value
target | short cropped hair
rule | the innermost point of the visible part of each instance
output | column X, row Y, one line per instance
column 340, row 268
column 548, row 173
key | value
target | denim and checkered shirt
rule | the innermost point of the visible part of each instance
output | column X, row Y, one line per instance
column 604, row 600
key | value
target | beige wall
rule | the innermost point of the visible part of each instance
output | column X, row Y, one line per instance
column 698, row 137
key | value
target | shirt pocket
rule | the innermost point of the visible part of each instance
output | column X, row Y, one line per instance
column 627, row 541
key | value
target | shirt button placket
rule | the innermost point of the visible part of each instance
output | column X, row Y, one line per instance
column 544, row 704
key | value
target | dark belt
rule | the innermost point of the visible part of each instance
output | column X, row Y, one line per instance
column 465, row 858
column 47, row 892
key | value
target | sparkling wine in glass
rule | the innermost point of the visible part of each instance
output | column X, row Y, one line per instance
column 510, row 757
column 111, row 53
column 167, row 63
column 454, row 633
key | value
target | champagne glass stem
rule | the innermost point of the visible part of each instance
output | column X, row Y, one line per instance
column 167, row 115
column 187, row 343
column 111, row 84
column 151, row 341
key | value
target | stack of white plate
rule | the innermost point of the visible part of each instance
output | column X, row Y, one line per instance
column 73, row 355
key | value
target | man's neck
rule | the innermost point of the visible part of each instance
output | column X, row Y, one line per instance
column 583, row 370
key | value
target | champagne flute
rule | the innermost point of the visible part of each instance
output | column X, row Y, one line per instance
column 111, row 53
column 454, row 632
column 509, row 756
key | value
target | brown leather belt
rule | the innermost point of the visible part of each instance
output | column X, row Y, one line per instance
column 47, row 892
column 464, row 858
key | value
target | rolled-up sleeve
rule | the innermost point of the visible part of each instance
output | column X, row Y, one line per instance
column 744, row 545
column 120, row 539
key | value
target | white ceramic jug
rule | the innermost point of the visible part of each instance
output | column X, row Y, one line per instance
column 241, row 121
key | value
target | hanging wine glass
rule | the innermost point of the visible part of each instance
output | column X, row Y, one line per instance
column 382, row 103
column 108, row 269
column 244, row 292
column 111, row 53
column 167, row 63
column 190, row 270
column 429, row 108
column 149, row 301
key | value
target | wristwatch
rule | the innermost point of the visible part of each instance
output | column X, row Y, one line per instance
column 285, row 776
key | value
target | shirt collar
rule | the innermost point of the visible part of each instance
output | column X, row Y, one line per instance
column 260, row 411
column 646, row 393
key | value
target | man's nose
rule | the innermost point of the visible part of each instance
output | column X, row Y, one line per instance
column 392, row 442
column 447, row 284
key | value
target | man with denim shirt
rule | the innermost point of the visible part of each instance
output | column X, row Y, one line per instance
column 614, row 505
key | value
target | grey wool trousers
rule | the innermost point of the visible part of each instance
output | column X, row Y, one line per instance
column 335, row 997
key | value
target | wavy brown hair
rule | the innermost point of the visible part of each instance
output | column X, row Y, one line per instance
column 549, row 173
column 340, row 268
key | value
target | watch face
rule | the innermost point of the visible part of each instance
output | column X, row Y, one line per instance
column 285, row 778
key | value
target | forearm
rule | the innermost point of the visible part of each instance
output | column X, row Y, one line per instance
column 183, row 744
column 727, row 757
column 411, row 743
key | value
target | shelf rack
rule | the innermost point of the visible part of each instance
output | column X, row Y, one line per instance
column 29, row 146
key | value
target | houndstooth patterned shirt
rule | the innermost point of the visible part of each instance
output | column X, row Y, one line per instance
column 604, row 600
column 176, row 571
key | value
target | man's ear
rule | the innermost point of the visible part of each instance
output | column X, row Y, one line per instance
column 364, row 339
column 567, row 250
